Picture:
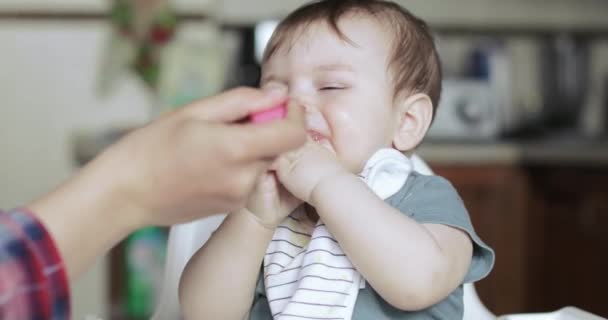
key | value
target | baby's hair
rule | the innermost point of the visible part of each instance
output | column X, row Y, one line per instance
column 414, row 64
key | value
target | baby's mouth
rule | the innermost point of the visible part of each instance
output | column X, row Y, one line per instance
column 315, row 136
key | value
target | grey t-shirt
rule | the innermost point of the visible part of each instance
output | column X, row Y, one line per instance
column 426, row 199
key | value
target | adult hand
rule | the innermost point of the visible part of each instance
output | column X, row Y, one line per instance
column 190, row 163
column 197, row 162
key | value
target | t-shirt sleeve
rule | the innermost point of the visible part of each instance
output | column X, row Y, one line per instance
column 433, row 199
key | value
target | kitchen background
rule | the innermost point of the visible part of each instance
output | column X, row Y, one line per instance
column 521, row 131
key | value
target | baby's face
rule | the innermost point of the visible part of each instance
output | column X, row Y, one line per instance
column 345, row 88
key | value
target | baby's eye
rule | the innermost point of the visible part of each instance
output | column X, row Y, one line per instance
column 330, row 88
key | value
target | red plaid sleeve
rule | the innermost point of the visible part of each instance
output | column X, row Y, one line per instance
column 33, row 280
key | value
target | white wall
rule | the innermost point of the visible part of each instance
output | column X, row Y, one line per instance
column 48, row 73
column 491, row 13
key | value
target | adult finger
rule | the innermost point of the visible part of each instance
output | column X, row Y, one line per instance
column 235, row 104
column 271, row 139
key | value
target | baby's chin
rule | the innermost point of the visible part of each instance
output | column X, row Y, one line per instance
column 326, row 143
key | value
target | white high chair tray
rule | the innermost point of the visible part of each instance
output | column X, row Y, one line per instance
column 567, row 313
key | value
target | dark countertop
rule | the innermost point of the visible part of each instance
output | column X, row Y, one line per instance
column 564, row 150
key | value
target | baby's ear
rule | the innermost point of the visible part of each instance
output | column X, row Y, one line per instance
column 414, row 115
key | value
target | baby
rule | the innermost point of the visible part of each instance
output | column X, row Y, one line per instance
column 344, row 228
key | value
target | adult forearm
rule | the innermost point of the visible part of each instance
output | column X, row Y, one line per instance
column 220, row 279
column 87, row 215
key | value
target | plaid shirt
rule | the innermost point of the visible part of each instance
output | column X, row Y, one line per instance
column 33, row 280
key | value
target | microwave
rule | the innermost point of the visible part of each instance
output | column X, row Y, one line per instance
column 468, row 110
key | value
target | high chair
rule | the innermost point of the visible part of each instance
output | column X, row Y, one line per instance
column 186, row 239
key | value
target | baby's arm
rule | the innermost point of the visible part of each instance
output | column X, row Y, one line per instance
column 411, row 265
column 219, row 281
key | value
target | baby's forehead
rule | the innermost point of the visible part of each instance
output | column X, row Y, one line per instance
column 341, row 29
column 346, row 31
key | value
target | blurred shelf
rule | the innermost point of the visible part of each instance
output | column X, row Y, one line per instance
column 459, row 14
column 55, row 6
column 92, row 7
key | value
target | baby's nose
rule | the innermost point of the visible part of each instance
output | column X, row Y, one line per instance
column 314, row 120
column 311, row 114
column 301, row 103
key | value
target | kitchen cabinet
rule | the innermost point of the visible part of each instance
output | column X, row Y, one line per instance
column 572, row 258
column 549, row 227
column 495, row 197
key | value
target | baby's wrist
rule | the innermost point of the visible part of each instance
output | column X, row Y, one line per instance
column 323, row 188
column 257, row 221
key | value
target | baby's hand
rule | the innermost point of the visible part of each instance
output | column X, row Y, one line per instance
column 270, row 203
column 302, row 170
